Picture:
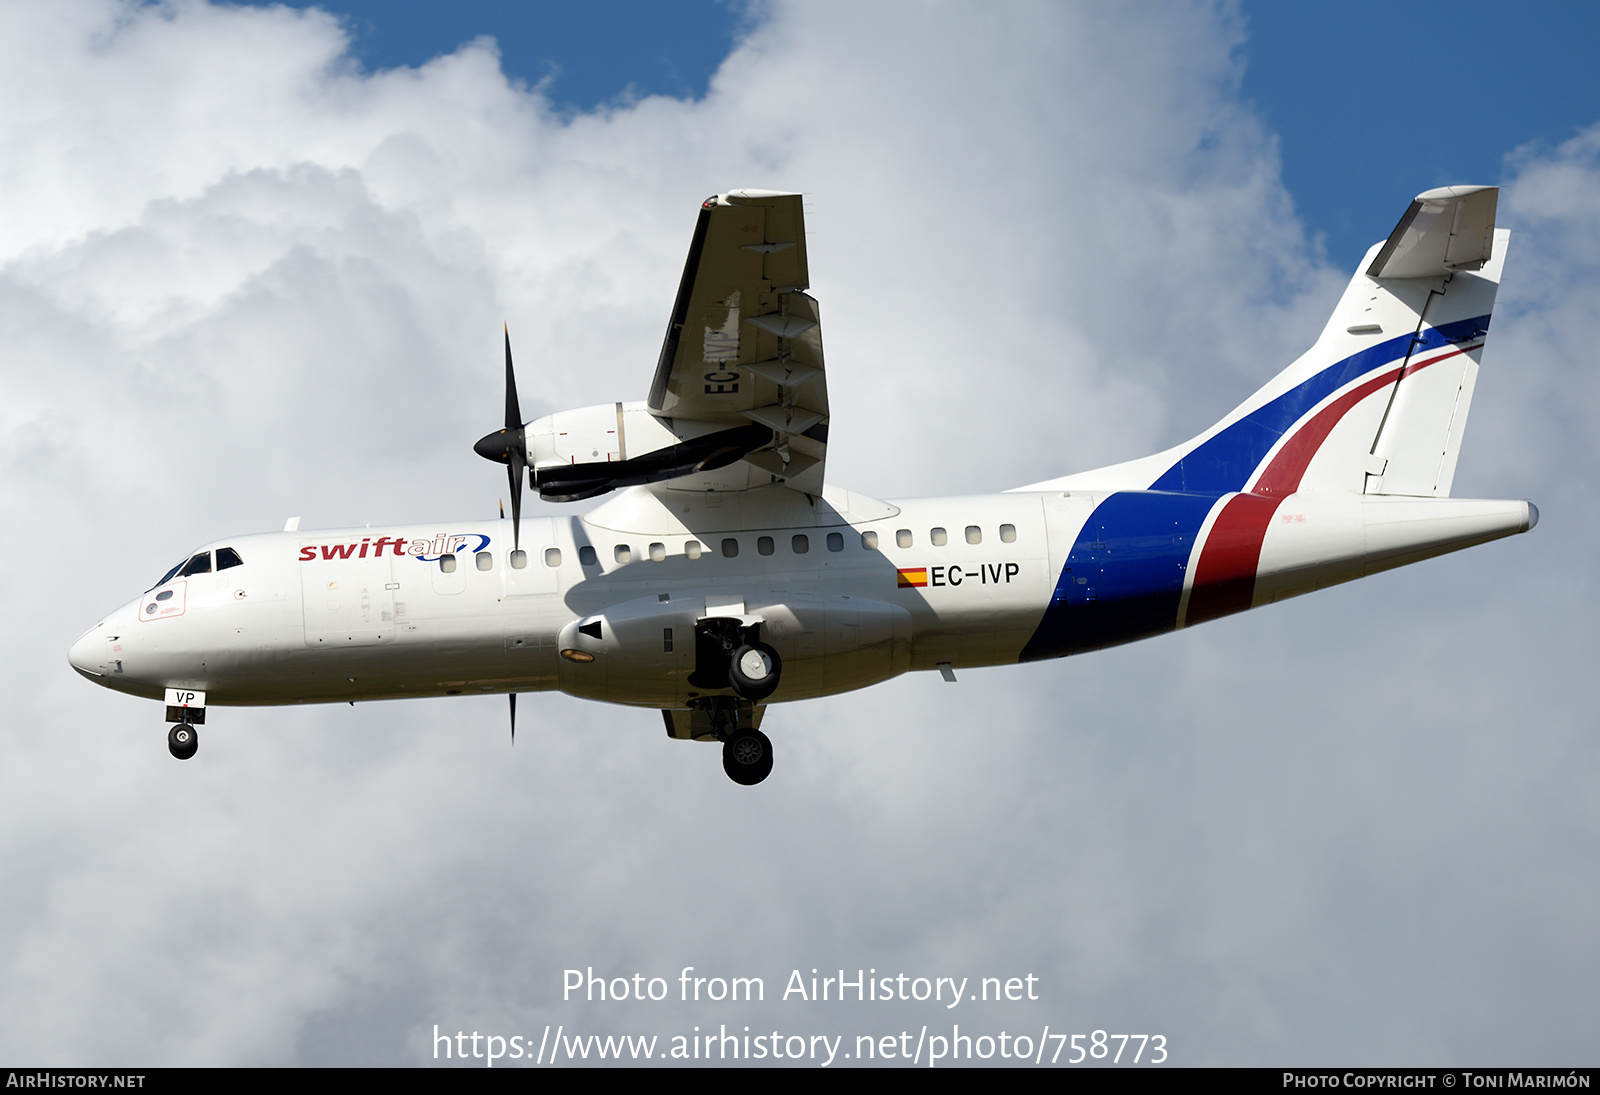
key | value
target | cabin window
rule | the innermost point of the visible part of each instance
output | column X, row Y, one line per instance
column 519, row 560
column 800, row 544
column 764, row 545
column 552, row 557
column 691, row 549
column 447, row 564
column 200, row 564
column 658, row 553
column 869, row 540
column 1008, row 534
column 835, row 541
column 730, row 548
column 939, row 537
column 587, row 556
column 903, row 537
column 622, row 553
column 227, row 557
column 485, row 560
column 974, row 534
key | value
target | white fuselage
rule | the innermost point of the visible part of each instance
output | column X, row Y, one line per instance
column 848, row 590
column 359, row 614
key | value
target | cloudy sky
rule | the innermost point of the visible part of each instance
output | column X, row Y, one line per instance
column 254, row 262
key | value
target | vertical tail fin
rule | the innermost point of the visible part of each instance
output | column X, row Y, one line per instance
column 1378, row 404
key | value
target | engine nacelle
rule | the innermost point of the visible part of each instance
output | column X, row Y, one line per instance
column 588, row 451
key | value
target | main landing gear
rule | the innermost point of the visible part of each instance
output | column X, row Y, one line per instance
column 731, row 655
column 747, row 757
column 746, row 751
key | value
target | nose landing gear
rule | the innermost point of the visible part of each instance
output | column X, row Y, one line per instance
column 182, row 741
column 186, row 709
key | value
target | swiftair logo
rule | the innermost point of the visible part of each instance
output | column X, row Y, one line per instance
column 426, row 550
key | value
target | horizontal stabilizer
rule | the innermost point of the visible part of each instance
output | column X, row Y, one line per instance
column 1447, row 229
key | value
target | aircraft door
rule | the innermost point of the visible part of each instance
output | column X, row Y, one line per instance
column 346, row 601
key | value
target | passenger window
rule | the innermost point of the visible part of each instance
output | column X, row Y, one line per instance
column 800, row 544
column 835, row 541
column 485, row 560
column 974, row 534
column 658, row 552
column 200, row 564
column 587, row 556
column 519, row 560
column 552, row 557
column 623, row 553
column 903, row 537
column 1008, row 534
column 869, row 540
column 764, row 545
column 730, row 548
column 938, row 536
column 227, row 557
column 447, row 564
column 691, row 549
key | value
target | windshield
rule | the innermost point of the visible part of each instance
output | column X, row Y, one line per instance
column 195, row 564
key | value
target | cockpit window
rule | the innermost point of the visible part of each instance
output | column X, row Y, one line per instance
column 167, row 577
column 200, row 564
column 227, row 557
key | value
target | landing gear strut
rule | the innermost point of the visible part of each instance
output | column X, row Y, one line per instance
column 182, row 740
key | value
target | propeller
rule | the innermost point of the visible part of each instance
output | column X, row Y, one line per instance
column 509, row 447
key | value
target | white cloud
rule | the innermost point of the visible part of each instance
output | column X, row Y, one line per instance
column 240, row 279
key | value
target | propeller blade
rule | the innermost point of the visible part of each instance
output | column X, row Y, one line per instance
column 513, row 718
column 515, row 473
column 513, row 408
column 509, row 446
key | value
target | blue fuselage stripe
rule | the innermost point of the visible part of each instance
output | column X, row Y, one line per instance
column 1226, row 462
column 1124, row 577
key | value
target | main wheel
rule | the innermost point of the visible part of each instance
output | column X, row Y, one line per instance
column 747, row 757
column 182, row 741
column 754, row 671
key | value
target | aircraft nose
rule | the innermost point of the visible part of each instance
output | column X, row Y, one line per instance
column 85, row 654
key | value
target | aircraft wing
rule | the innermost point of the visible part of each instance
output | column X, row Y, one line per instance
column 744, row 344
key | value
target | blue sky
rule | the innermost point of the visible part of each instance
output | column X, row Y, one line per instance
column 1371, row 101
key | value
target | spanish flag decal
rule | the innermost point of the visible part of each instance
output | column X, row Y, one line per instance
column 913, row 579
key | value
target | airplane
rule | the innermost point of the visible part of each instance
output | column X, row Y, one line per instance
column 724, row 575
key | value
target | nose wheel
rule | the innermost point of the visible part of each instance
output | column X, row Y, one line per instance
column 182, row 741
